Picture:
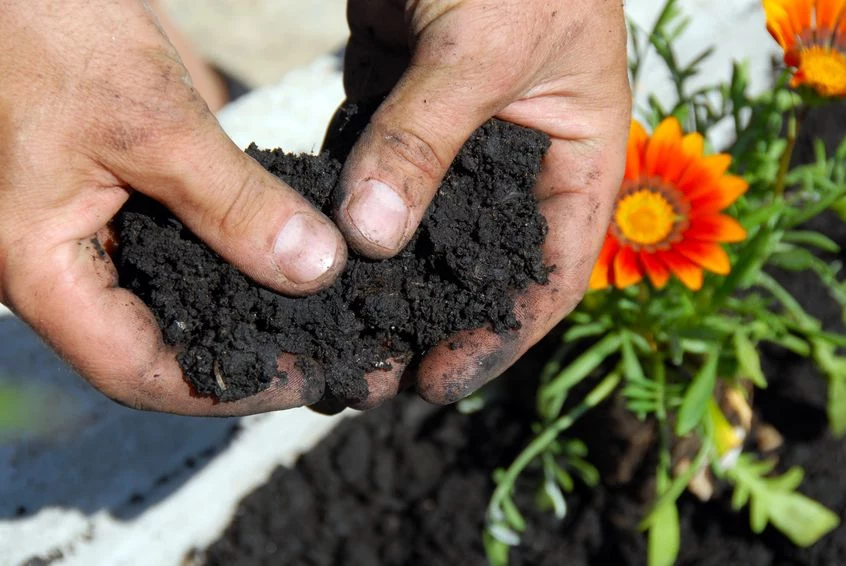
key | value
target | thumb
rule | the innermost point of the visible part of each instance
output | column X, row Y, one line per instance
column 399, row 161
column 257, row 223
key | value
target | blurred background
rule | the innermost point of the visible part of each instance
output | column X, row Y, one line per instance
column 85, row 481
column 258, row 41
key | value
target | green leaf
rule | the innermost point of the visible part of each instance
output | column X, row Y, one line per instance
column 749, row 360
column 839, row 206
column 585, row 331
column 496, row 550
column 757, row 515
column 581, row 367
column 740, row 497
column 696, row 398
column 836, row 405
column 748, row 264
column 801, row 519
column 512, row 515
column 797, row 259
column 788, row 481
column 564, row 479
column 813, row 239
column 774, row 500
column 631, row 365
column 664, row 536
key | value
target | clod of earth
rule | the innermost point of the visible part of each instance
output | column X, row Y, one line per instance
column 478, row 246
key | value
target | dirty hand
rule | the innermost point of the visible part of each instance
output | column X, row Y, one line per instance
column 557, row 66
column 93, row 100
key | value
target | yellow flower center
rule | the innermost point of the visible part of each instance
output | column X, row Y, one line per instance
column 824, row 69
column 649, row 216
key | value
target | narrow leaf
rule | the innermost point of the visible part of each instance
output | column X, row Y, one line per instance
column 582, row 366
column 836, row 405
column 749, row 360
column 696, row 398
column 813, row 239
column 664, row 536
column 512, row 515
column 495, row 549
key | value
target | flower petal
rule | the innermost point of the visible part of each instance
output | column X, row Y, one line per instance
column 727, row 190
column 663, row 146
column 599, row 276
column 828, row 14
column 635, row 151
column 688, row 272
column 693, row 144
column 627, row 271
column 709, row 255
column 779, row 24
column 658, row 273
column 715, row 228
column 700, row 176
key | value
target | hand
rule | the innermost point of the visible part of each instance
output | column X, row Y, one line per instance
column 557, row 66
column 94, row 100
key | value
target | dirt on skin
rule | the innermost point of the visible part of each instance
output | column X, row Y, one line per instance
column 478, row 246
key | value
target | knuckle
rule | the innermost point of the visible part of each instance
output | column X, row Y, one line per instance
column 414, row 150
column 239, row 206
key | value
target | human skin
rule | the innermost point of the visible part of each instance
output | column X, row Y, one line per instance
column 557, row 66
column 95, row 100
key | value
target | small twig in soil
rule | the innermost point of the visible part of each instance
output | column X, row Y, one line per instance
column 218, row 376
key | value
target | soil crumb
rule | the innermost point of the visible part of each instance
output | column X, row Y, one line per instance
column 478, row 246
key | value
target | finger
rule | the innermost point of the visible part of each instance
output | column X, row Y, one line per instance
column 577, row 197
column 256, row 222
column 68, row 293
column 382, row 385
column 394, row 170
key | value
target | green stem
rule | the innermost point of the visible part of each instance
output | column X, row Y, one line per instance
column 794, row 122
column 543, row 440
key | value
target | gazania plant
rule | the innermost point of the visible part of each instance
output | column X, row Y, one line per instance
column 683, row 296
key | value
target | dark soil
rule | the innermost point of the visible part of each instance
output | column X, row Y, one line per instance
column 408, row 484
column 478, row 246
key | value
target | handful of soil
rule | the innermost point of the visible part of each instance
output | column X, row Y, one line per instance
column 478, row 246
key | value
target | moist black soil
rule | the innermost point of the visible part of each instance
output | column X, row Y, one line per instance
column 408, row 484
column 478, row 245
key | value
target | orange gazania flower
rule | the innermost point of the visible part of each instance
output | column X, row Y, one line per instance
column 667, row 218
column 812, row 34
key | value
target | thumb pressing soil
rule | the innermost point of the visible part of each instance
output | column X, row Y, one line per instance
column 478, row 246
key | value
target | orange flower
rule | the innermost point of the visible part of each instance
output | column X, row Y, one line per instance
column 667, row 218
column 811, row 32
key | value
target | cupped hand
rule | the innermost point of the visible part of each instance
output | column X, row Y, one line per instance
column 556, row 66
column 94, row 100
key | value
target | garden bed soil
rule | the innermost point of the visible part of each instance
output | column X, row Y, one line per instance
column 479, row 245
column 408, row 483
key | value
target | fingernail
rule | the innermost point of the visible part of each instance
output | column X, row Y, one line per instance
column 305, row 248
column 379, row 214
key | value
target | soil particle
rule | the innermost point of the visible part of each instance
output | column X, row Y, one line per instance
column 478, row 246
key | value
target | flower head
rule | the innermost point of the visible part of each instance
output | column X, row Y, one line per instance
column 812, row 34
column 667, row 218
